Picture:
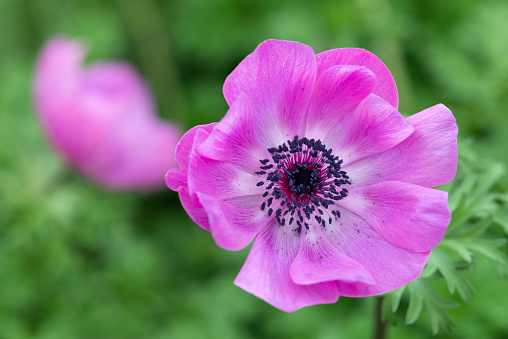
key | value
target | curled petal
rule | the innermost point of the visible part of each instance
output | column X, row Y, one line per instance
column 278, row 78
column 238, row 138
column 338, row 92
column 233, row 224
column 176, row 178
column 428, row 157
column 220, row 179
column 194, row 208
column 409, row 216
column 374, row 127
column 266, row 273
column 385, row 88
column 390, row 266
column 317, row 261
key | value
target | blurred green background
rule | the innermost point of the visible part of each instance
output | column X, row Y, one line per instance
column 77, row 261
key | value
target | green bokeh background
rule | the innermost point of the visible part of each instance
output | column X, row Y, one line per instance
column 77, row 261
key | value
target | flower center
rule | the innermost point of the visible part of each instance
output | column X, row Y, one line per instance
column 305, row 179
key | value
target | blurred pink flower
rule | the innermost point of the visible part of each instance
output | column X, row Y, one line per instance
column 315, row 162
column 102, row 119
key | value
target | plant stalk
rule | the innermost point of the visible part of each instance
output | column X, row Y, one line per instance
column 381, row 326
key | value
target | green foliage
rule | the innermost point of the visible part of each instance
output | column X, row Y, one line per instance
column 475, row 204
column 422, row 294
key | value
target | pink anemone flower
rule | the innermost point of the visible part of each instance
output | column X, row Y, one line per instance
column 316, row 164
column 101, row 119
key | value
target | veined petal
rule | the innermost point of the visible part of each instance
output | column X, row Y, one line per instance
column 409, row 216
column 266, row 273
column 278, row 78
column 338, row 92
column 238, row 138
column 428, row 157
column 374, row 127
column 219, row 179
column 184, row 148
column 318, row 261
column 390, row 266
column 385, row 88
column 176, row 178
column 234, row 223
column 194, row 208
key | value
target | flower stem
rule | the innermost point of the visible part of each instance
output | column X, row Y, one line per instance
column 143, row 19
column 381, row 326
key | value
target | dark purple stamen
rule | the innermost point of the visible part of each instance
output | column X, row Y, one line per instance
column 306, row 177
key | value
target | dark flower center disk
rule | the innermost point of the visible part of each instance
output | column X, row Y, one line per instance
column 303, row 179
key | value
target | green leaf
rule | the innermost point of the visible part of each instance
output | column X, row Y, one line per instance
column 501, row 217
column 470, row 193
column 415, row 303
column 423, row 295
column 391, row 303
column 455, row 280
column 476, row 206
column 472, row 230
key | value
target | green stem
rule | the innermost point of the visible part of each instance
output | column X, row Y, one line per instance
column 381, row 326
column 154, row 53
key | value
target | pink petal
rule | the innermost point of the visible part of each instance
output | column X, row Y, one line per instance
column 266, row 275
column 238, row 138
column 83, row 105
column 194, row 208
column 409, row 216
column 317, row 261
column 428, row 157
column 391, row 266
column 338, row 92
column 57, row 72
column 220, row 179
column 176, row 178
column 101, row 119
column 134, row 156
column 385, row 88
column 374, row 127
column 233, row 224
column 278, row 78
column 116, row 87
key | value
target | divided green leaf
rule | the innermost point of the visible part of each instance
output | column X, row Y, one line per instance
column 477, row 207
